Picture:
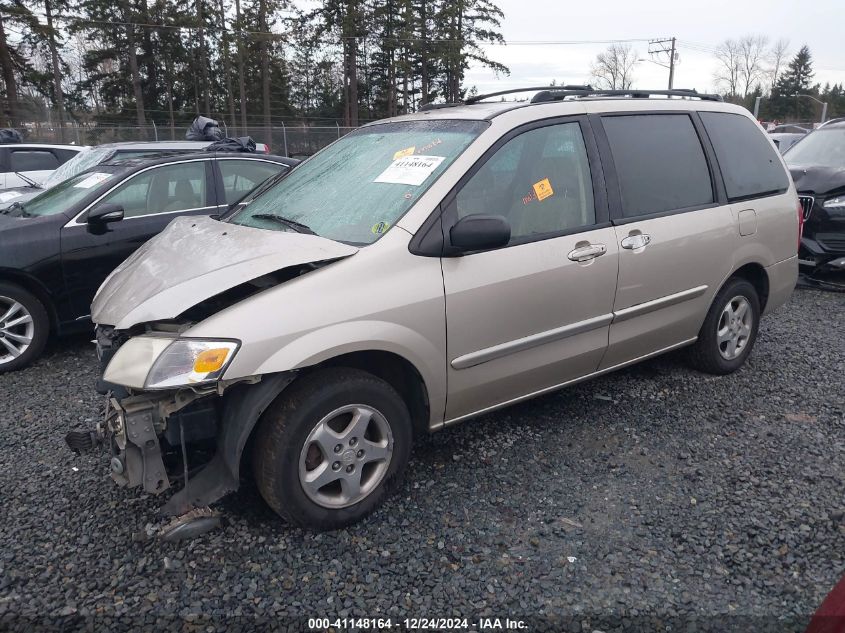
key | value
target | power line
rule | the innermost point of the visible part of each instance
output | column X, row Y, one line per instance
column 667, row 47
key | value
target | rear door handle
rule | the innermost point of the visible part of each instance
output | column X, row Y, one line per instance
column 636, row 242
column 586, row 253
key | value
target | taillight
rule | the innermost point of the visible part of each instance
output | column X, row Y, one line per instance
column 800, row 223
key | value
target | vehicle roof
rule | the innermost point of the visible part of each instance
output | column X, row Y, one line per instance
column 146, row 161
column 835, row 123
column 44, row 145
column 164, row 145
column 132, row 145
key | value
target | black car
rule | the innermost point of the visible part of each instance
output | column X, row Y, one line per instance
column 817, row 164
column 57, row 248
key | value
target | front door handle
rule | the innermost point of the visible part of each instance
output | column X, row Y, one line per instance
column 636, row 242
column 586, row 253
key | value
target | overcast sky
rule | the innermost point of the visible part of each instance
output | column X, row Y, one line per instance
column 697, row 25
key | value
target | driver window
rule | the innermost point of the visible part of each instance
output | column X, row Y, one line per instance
column 164, row 189
column 539, row 181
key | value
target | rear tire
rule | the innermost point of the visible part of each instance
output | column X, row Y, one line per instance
column 331, row 448
column 730, row 329
column 24, row 327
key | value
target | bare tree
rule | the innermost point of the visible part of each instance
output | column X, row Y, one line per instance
column 752, row 60
column 777, row 60
column 614, row 68
column 727, row 75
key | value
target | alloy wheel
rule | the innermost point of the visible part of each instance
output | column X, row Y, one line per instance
column 733, row 330
column 346, row 456
column 17, row 329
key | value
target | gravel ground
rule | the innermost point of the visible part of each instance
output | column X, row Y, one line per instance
column 656, row 492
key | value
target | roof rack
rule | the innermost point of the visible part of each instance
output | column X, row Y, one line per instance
column 501, row 93
column 557, row 94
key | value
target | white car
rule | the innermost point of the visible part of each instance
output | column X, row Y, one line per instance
column 21, row 164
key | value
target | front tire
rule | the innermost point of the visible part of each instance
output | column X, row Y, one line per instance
column 730, row 329
column 331, row 448
column 24, row 327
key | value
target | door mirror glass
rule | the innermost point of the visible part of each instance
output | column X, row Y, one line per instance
column 104, row 213
column 480, row 232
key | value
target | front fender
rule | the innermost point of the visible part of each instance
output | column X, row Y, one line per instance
column 338, row 339
column 242, row 407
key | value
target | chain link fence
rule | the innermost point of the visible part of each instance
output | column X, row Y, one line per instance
column 285, row 140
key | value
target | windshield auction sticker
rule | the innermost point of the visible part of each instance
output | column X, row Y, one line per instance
column 410, row 170
column 92, row 180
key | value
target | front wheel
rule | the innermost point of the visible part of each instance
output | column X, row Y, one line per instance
column 331, row 448
column 24, row 327
column 729, row 330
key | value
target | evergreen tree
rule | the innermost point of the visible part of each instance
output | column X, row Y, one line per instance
column 796, row 80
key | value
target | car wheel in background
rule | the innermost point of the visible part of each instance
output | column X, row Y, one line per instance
column 24, row 327
column 729, row 330
column 331, row 448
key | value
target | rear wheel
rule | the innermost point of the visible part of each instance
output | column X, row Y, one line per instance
column 331, row 448
column 24, row 327
column 729, row 330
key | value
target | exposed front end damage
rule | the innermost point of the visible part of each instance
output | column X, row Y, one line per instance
column 195, row 438
column 172, row 419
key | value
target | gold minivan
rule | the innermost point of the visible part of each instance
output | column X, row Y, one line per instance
column 429, row 268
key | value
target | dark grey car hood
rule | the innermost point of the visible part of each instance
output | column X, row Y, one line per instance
column 195, row 258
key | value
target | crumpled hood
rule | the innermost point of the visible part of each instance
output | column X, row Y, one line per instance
column 818, row 180
column 195, row 258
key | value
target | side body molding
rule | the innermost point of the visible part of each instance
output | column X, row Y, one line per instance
column 541, row 338
column 511, row 347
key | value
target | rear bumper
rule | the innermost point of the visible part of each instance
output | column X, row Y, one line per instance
column 782, row 279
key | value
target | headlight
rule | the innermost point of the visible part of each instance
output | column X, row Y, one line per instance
column 835, row 203
column 152, row 362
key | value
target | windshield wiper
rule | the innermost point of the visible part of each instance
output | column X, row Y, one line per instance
column 29, row 181
column 299, row 227
column 15, row 206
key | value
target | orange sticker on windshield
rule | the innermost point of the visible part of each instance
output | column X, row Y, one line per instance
column 402, row 153
column 543, row 189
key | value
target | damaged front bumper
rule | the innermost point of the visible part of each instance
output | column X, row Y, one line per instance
column 156, row 439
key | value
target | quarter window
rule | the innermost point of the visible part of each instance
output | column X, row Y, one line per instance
column 750, row 167
column 539, row 181
column 162, row 189
column 242, row 176
column 659, row 162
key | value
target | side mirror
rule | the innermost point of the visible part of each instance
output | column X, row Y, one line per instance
column 105, row 213
column 480, row 232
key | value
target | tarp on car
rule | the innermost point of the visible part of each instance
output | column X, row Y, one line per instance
column 204, row 129
column 240, row 144
column 8, row 135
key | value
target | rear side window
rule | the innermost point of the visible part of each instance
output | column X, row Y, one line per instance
column 242, row 176
column 65, row 155
column 749, row 164
column 659, row 162
column 32, row 160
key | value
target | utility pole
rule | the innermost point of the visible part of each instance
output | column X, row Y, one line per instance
column 668, row 47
